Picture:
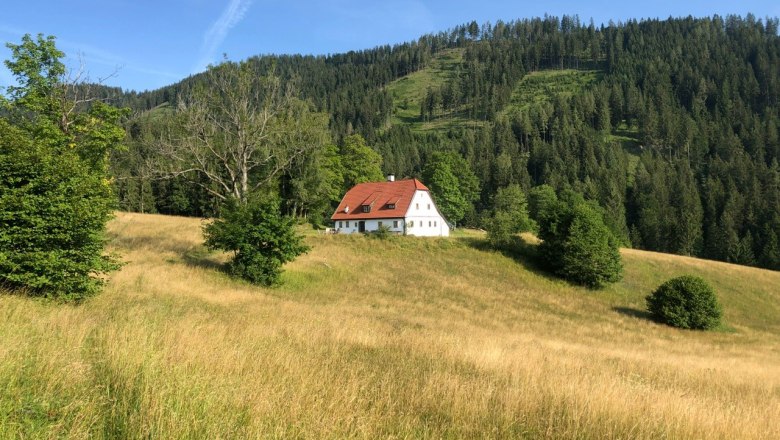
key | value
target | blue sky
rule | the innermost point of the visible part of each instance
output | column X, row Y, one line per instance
column 149, row 44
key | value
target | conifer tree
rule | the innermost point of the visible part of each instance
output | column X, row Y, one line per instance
column 55, row 193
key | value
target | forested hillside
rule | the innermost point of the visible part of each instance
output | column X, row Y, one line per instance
column 671, row 126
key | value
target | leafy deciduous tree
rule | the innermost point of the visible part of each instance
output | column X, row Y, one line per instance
column 55, row 195
column 240, row 131
column 453, row 185
column 360, row 162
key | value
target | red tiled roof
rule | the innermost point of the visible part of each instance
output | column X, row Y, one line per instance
column 378, row 195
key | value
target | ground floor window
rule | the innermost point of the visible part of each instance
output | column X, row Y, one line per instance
column 395, row 223
column 347, row 223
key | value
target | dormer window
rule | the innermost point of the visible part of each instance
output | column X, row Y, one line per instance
column 391, row 206
column 368, row 203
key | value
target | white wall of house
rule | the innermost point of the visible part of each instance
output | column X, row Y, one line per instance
column 352, row 226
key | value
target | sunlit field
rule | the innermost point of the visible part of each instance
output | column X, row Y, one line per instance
column 402, row 338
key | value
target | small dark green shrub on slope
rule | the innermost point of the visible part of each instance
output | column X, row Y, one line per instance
column 261, row 238
column 685, row 302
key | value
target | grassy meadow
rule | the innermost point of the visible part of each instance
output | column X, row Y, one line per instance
column 544, row 85
column 403, row 338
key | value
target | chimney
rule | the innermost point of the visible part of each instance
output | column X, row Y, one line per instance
column 391, row 177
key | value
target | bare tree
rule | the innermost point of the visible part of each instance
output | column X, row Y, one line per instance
column 240, row 131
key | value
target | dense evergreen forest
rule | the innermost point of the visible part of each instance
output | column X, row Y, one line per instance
column 675, row 133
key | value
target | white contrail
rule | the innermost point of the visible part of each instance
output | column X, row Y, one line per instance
column 216, row 34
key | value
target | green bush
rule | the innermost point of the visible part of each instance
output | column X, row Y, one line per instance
column 260, row 237
column 383, row 232
column 500, row 229
column 577, row 245
column 53, row 212
column 685, row 302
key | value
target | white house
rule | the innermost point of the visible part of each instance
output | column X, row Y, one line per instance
column 404, row 206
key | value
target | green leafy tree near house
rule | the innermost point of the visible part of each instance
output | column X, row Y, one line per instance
column 55, row 193
column 453, row 185
column 509, row 215
column 313, row 184
column 360, row 162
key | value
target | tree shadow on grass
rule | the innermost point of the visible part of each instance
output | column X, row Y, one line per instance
column 634, row 313
column 519, row 250
column 148, row 242
column 202, row 258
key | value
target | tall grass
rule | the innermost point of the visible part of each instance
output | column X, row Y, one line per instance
column 403, row 338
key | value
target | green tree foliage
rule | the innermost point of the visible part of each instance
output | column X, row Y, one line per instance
column 239, row 134
column 509, row 216
column 453, row 185
column 260, row 238
column 685, row 302
column 360, row 163
column 443, row 184
column 242, row 135
column 577, row 245
column 314, row 184
column 137, row 169
column 55, row 195
column 540, row 199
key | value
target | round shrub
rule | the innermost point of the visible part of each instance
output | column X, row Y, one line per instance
column 685, row 302
column 261, row 238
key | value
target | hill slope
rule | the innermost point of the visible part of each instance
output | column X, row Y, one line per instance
column 368, row 338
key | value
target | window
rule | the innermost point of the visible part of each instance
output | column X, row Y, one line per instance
column 416, row 206
column 435, row 223
column 391, row 206
column 429, row 206
column 347, row 223
column 366, row 208
column 379, row 225
column 429, row 223
column 339, row 225
column 395, row 223
column 411, row 224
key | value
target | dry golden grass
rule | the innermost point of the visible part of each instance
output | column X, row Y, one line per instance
column 405, row 338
